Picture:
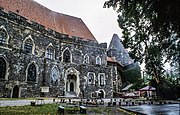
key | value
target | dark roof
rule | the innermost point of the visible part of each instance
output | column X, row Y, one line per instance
column 119, row 52
column 59, row 22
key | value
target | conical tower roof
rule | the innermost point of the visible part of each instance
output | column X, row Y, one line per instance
column 118, row 51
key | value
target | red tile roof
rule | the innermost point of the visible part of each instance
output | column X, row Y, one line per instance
column 113, row 60
column 61, row 23
column 110, row 59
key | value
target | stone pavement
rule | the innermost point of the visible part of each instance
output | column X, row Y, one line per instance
column 4, row 103
column 165, row 109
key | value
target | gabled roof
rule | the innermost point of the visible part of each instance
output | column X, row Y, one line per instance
column 61, row 23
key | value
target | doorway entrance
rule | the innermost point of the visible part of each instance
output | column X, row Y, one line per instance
column 71, row 87
column 15, row 92
column 101, row 95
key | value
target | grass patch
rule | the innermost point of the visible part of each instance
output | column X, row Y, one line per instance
column 50, row 109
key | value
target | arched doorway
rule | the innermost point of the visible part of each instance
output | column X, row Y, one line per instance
column 15, row 92
column 71, row 87
column 101, row 95
column 72, row 82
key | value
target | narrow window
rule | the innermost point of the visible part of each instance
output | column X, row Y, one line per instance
column 31, row 75
column 102, row 79
column 54, row 75
column 86, row 59
column 2, row 68
column 2, row 37
column 67, row 56
column 49, row 53
column 91, row 79
column 98, row 60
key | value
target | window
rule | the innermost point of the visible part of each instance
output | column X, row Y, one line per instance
column 67, row 56
column 2, row 37
column 102, row 79
column 91, row 78
column 54, row 75
column 50, row 52
column 86, row 59
column 2, row 68
column 31, row 73
column 28, row 45
column 98, row 60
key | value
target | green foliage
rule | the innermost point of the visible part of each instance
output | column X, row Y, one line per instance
column 167, row 89
column 151, row 29
column 131, row 75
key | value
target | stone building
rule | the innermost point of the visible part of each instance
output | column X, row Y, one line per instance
column 45, row 53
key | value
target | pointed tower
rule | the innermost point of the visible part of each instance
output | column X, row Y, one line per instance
column 116, row 49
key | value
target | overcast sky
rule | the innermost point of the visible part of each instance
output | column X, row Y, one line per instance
column 102, row 22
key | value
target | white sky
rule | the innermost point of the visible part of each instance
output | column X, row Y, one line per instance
column 102, row 22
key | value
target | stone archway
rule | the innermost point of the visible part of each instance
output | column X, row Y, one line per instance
column 15, row 92
column 72, row 82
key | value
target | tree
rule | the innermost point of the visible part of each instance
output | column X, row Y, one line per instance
column 151, row 29
column 132, row 74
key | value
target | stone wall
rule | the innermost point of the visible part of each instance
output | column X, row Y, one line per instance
column 19, row 29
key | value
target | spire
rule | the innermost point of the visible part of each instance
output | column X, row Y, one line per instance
column 116, row 49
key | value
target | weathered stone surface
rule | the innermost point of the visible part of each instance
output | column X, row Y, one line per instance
column 15, row 83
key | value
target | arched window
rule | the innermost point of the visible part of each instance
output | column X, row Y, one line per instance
column 4, row 37
column 28, row 45
column 86, row 59
column 98, row 60
column 67, row 56
column 2, row 68
column 50, row 52
column 54, row 75
column 31, row 73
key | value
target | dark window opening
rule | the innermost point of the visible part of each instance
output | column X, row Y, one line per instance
column 91, row 79
column 72, row 86
column 66, row 56
column 31, row 76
